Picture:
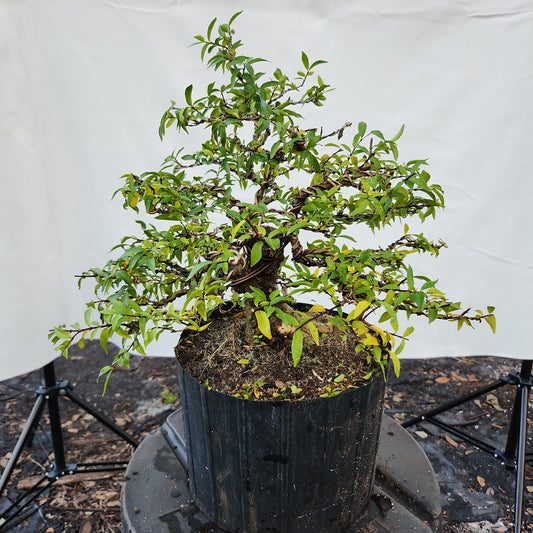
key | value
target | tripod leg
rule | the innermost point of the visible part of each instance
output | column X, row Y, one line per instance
column 55, row 419
column 522, row 380
column 455, row 403
column 31, row 434
column 101, row 418
column 520, row 470
column 28, row 430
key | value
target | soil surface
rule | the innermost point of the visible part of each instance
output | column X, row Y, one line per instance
column 221, row 358
column 477, row 492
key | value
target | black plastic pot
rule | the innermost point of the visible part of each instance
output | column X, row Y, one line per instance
column 281, row 467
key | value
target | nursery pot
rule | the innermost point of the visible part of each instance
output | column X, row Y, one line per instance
column 281, row 466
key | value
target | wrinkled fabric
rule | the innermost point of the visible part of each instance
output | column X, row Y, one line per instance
column 84, row 85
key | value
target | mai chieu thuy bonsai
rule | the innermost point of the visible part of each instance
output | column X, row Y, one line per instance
column 261, row 216
column 287, row 324
column 254, row 254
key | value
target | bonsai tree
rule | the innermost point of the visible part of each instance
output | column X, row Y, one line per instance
column 262, row 215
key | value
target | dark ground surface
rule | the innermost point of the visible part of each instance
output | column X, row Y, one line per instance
column 477, row 492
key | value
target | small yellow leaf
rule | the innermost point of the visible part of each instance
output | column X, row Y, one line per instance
column 369, row 340
column 359, row 309
column 237, row 228
column 134, row 200
column 263, row 323
column 491, row 320
column 384, row 337
column 317, row 309
column 243, row 361
column 314, row 333
column 395, row 363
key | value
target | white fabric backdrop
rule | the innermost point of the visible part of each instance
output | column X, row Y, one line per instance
column 84, row 84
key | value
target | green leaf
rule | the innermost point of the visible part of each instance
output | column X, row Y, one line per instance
column 410, row 279
column 400, row 347
column 305, row 60
column 104, row 337
column 62, row 334
column 408, row 331
column 263, row 124
column 392, row 315
column 197, row 268
column 120, row 308
column 419, row 299
column 188, row 92
column 263, row 323
column 297, row 346
column 428, row 285
column 399, row 134
column 107, row 370
column 234, row 17
column 210, row 28
column 394, row 150
column 361, row 128
column 257, row 253
column 313, row 161
column 318, row 62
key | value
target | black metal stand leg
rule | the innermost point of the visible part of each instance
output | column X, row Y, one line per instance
column 55, row 418
column 17, row 450
column 514, row 455
column 455, row 403
column 522, row 399
column 101, row 418
column 520, row 467
column 49, row 394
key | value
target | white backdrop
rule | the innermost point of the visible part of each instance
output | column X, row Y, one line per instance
column 84, row 83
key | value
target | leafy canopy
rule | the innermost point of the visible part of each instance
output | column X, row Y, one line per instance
column 262, row 214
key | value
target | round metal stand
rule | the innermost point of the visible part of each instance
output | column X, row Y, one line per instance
column 156, row 497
